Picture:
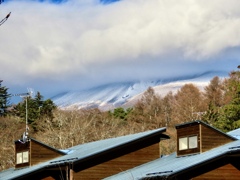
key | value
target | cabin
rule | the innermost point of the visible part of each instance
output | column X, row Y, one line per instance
column 197, row 137
column 94, row 160
column 33, row 152
column 203, row 153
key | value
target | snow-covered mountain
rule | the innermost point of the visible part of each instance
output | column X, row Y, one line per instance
column 113, row 95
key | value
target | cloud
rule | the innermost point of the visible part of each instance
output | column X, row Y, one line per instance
column 86, row 42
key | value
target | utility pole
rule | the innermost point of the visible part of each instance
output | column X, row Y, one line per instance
column 25, row 96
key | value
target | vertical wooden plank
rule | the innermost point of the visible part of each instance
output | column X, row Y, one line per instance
column 71, row 174
column 200, row 134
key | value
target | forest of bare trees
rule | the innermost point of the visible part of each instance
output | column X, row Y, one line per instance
column 217, row 105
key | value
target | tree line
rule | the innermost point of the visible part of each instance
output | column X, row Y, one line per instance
column 218, row 105
column 32, row 108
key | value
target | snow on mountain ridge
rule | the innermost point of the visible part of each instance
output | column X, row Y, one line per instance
column 110, row 96
column 114, row 94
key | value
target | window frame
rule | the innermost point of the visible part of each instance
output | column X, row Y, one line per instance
column 22, row 157
column 185, row 143
column 195, row 142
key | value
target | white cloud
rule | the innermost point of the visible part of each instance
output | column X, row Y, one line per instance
column 96, row 43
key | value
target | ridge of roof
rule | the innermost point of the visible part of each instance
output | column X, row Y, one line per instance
column 235, row 133
column 43, row 144
column 206, row 124
column 49, row 147
column 126, row 138
column 84, row 151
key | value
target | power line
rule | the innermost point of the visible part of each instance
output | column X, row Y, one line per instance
column 5, row 19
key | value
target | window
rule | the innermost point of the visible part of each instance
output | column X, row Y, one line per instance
column 22, row 157
column 190, row 142
column 183, row 143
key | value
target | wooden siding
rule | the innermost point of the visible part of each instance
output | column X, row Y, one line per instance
column 119, row 164
column 187, row 131
column 211, row 138
column 227, row 172
column 40, row 153
column 208, row 137
column 50, row 174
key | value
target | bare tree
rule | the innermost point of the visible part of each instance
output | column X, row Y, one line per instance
column 188, row 103
column 214, row 92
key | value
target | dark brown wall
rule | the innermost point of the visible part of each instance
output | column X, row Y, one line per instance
column 120, row 164
column 40, row 153
column 208, row 138
column 20, row 147
column 47, row 174
column 212, row 138
column 227, row 172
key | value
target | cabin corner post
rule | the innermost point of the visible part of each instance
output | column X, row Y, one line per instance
column 69, row 172
column 200, row 138
column 161, row 148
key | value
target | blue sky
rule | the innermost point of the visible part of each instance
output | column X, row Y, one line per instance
column 54, row 46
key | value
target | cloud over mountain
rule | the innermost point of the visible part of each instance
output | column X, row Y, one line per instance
column 78, row 44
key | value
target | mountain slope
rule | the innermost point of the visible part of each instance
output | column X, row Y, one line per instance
column 125, row 94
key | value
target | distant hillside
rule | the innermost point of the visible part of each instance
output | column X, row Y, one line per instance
column 125, row 94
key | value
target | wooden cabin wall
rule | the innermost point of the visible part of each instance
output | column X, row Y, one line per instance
column 40, row 153
column 227, row 172
column 51, row 174
column 20, row 147
column 187, row 131
column 119, row 164
column 211, row 138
